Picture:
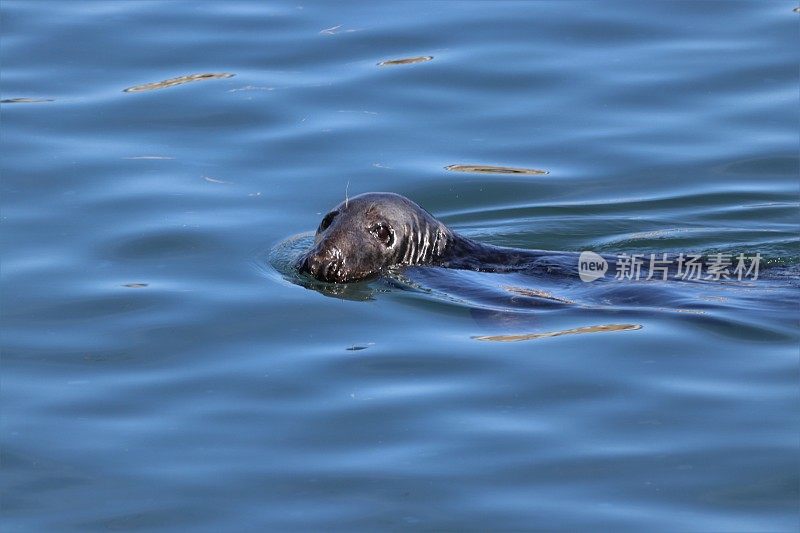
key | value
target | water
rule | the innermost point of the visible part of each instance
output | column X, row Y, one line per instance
column 159, row 373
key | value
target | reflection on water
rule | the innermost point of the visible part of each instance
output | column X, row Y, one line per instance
column 357, row 347
column 492, row 169
column 537, row 293
column 150, row 157
column 172, row 82
column 547, row 334
column 339, row 28
column 405, row 61
column 25, row 100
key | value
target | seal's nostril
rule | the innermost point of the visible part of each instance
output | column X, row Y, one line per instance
column 331, row 271
column 319, row 267
column 313, row 266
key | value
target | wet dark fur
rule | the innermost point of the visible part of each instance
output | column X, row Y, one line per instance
column 352, row 244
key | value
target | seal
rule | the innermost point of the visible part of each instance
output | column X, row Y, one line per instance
column 368, row 234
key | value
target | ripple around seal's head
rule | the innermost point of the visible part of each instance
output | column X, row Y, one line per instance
column 462, row 289
column 283, row 256
column 453, row 287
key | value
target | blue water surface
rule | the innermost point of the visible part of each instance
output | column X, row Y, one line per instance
column 163, row 369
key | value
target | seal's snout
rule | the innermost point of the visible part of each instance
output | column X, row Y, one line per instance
column 323, row 265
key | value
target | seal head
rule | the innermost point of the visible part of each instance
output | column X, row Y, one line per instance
column 367, row 234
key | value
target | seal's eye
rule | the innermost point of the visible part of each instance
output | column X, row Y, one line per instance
column 327, row 221
column 383, row 233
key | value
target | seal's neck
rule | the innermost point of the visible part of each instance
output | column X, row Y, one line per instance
column 433, row 243
column 426, row 243
column 463, row 253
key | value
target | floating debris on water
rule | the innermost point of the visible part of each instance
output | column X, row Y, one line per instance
column 177, row 81
column 214, row 180
column 135, row 285
column 573, row 331
column 25, row 100
column 492, row 169
column 405, row 61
